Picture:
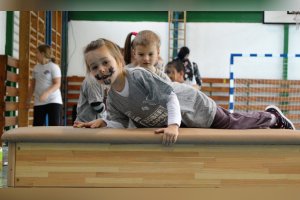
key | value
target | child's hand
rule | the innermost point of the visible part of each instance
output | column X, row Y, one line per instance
column 170, row 134
column 97, row 123
column 78, row 124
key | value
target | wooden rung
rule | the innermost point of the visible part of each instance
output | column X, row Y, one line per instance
column 214, row 89
column 267, row 99
column 41, row 20
column 292, row 116
column 262, row 107
column 12, row 91
column 74, row 87
column 11, row 121
column 267, row 81
column 267, row 90
column 75, row 78
column 12, row 62
column 73, row 96
column 11, row 106
column 33, row 30
column 223, row 105
column 215, row 80
column 32, row 62
column 11, row 76
column 40, row 35
column 32, row 54
column 33, row 14
column 69, row 112
column 32, row 38
column 220, row 98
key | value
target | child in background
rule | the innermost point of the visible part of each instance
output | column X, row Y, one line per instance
column 144, row 52
column 175, row 71
column 45, row 84
column 148, row 101
column 90, row 105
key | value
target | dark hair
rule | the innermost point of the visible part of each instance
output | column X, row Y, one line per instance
column 128, row 48
column 46, row 50
column 183, row 52
column 177, row 64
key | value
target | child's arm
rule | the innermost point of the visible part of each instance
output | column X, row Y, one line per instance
column 174, row 120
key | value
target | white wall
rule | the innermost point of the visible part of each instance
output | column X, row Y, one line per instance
column 16, row 34
column 294, row 47
column 2, row 31
column 83, row 32
column 210, row 43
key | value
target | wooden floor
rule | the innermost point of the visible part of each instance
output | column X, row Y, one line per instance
column 247, row 193
column 154, row 165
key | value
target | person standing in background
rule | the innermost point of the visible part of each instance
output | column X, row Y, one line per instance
column 45, row 85
column 192, row 74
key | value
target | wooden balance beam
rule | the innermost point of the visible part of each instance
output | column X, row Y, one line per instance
column 135, row 158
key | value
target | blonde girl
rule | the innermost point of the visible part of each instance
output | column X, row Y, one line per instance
column 142, row 97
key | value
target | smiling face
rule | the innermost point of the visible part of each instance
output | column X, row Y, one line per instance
column 102, row 65
column 146, row 56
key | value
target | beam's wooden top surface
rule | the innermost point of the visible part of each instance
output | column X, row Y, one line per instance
column 147, row 136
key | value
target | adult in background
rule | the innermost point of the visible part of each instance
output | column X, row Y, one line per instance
column 45, row 84
column 191, row 71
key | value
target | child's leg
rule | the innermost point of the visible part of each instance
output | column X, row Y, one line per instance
column 226, row 120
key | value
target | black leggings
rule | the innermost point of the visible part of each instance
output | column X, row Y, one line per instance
column 54, row 114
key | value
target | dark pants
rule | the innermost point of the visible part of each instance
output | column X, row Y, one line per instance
column 54, row 114
column 226, row 120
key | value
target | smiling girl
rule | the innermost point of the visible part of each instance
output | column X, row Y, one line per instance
column 148, row 101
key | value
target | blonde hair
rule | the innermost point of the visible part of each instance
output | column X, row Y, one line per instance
column 112, row 47
column 143, row 38
column 146, row 38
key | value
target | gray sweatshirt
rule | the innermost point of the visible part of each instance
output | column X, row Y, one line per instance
column 146, row 104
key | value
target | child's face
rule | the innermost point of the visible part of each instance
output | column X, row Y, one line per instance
column 102, row 65
column 146, row 56
column 174, row 75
